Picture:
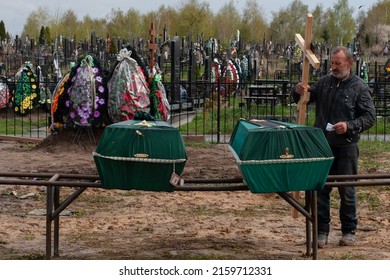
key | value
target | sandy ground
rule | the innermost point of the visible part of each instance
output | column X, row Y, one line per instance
column 118, row 224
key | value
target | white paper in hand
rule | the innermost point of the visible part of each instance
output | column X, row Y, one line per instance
column 329, row 127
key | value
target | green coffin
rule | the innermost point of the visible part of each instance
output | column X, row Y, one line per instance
column 140, row 155
column 281, row 157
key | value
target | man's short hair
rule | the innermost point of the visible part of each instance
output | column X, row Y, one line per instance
column 345, row 50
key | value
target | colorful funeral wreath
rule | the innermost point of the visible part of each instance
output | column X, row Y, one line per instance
column 80, row 97
column 87, row 94
column 387, row 67
column 128, row 90
column 215, row 71
column 58, row 108
column 159, row 105
column 231, row 77
column 5, row 94
column 26, row 90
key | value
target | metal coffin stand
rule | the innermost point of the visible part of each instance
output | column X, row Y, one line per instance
column 122, row 144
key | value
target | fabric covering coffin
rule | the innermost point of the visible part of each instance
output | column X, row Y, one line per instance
column 281, row 157
column 140, row 155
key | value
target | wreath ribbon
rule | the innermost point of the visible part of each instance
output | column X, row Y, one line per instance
column 88, row 62
column 124, row 54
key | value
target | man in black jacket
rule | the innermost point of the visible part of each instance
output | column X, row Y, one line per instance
column 344, row 109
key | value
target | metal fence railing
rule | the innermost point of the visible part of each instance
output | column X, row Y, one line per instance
column 210, row 110
column 198, row 105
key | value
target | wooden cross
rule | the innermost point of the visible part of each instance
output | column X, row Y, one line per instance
column 152, row 47
column 309, row 59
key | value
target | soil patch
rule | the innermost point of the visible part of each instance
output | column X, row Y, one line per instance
column 117, row 224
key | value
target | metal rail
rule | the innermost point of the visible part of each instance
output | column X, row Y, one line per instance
column 190, row 184
column 83, row 181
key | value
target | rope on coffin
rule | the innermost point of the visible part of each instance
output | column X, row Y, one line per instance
column 278, row 161
column 139, row 158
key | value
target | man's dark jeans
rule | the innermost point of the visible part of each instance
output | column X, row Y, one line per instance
column 345, row 163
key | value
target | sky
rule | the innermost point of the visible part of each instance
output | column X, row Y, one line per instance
column 15, row 12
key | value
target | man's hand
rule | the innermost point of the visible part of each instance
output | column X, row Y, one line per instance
column 299, row 88
column 340, row 127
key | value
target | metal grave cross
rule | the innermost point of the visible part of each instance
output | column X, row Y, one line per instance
column 309, row 58
column 152, row 46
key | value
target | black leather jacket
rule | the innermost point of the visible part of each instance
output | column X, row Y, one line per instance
column 348, row 100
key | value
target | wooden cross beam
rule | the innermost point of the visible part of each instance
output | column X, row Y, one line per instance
column 309, row 59
column 152, row 47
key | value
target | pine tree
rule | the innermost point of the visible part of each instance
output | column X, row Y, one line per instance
column 48, row 36
column 3, row 34
column 42, row 36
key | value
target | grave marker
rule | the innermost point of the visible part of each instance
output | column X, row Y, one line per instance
column 308, row 59
column 152, row 46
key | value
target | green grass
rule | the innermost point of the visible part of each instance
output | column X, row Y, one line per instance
column 370, row 198
column 21, row 125
column 231, row 111
column 80, row 213
column 371, row 152
column 234, row 109
column 201, row 210
column 194, row 144
column 99, row 199
column 373, row 146
column 347, row 256
column 206, row 121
